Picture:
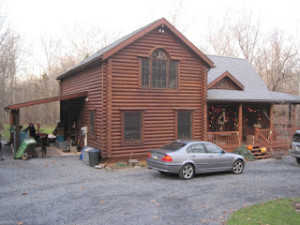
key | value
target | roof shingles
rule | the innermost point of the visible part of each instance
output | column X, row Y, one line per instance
column 255, row 89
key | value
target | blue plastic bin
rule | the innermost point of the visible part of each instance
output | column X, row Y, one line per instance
column 60, row 138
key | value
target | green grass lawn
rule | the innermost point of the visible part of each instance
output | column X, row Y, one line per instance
column 276, row 212
column 47, row 129
column 5, row 132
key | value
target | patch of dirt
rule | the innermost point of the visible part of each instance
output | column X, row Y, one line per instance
column 125, row 166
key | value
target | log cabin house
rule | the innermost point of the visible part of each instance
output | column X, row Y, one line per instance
column 154, row 86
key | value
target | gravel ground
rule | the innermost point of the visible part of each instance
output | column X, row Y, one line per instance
column 62, row 190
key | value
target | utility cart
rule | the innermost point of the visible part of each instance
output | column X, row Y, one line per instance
column 26, row 149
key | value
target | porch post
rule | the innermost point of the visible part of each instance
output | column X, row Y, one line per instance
column 205, row 122
column 290, row 115
column 11, row 123
column 294, row 116
column 240, row 123
column 15, row 120
column 271, row 121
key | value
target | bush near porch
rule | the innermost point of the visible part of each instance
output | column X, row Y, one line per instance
column 242, row 150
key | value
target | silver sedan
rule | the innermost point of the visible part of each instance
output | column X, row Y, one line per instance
column 187, row 158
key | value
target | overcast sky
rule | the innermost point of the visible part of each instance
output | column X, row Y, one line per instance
column 34, row 19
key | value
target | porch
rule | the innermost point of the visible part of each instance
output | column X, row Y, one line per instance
column 233, row 125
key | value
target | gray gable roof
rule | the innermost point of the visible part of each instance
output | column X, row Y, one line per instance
column 101, row 54
column 102, row 51
column 255, row 90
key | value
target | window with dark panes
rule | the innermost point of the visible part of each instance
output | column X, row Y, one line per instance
column 145, row 72
column 92, row 123
column 159, row 71
column 173, row 74
column 132, row 126
column 184, row 124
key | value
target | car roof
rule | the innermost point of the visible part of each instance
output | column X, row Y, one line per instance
column 190, row 141
column 297, row 132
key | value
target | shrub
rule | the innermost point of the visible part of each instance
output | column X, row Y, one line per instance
column 242, row 150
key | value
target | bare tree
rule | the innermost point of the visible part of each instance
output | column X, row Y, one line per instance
column 279, row 61
column 9, row 56
column 59, row 56
column 249, row 38
column 272, row 55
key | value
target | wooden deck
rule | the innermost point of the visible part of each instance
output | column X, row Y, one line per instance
column 276, row 140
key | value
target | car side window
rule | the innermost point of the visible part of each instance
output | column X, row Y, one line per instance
column 296, row 138
column 196, row 148
column 212, row 148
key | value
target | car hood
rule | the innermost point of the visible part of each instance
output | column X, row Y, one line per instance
column 235, row 155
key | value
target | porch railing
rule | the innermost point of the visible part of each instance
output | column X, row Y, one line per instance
column 227, row 140
column 276, row 138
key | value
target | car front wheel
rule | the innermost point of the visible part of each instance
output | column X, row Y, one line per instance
column 298, row 160
column 187, row 172
column 238, row 167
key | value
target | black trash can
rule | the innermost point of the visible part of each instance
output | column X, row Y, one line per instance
column 94, row 157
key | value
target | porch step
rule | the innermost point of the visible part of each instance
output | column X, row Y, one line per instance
column 258, row 154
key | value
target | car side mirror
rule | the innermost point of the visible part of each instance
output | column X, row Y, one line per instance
column 223, row 152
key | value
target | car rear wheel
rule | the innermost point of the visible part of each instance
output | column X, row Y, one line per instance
column 187, row 172
column 298, row 160
column 238, row 167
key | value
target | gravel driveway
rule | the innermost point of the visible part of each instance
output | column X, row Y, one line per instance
column 62, row 190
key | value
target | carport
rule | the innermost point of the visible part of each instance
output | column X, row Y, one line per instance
column 70, row 107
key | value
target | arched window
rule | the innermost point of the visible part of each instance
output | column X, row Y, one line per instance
column 159, row 71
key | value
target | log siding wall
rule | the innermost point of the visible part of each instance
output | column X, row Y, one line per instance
column 91, row 80
column 114, row 87
column 159, row 105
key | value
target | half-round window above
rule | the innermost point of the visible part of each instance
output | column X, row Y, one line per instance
column 160, row 54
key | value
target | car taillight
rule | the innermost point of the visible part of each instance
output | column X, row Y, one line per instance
column 167, row 158
column 149, row 155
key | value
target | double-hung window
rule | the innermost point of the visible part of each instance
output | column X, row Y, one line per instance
column 184, row 125
column 132, row 126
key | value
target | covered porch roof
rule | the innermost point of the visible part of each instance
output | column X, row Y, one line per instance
column 46, row 100
column 15, row 110
column 251, row 96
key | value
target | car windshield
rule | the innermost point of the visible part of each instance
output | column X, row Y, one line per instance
column 173, row 146
column 296, row 138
